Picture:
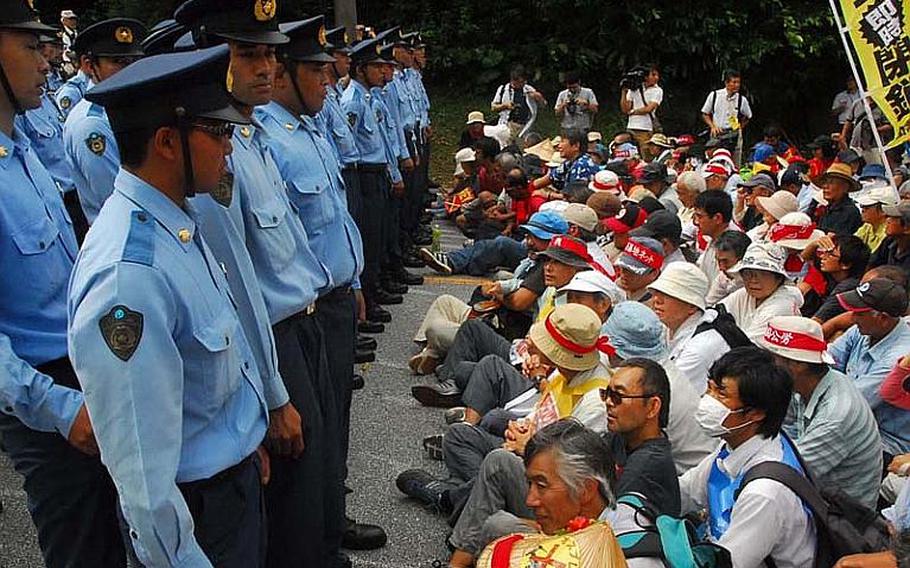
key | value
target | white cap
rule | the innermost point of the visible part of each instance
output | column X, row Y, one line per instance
column 462, row 156
column 796, row 338
column 762, row 256
column 779, row 203
column 683, row 281
column 794, row 231
column 881, row 193
column 605, row 180
column 593, row 281
column 594, row 136
column 67, row 14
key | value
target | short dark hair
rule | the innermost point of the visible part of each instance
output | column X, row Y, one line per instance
column 575, row 137
column 774, row 130
column 488, row 146
column 733, row 241
column 892, row 272
column 732, row 74
column 571, row 77
column 853, row 252
column 762, row 384
column 715, row 201
column 518, row 73
column 653, row 380
column 133, row 145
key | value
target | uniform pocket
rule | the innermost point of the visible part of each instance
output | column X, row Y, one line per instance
column 221, row 366
column 274, row 233
column 314, row 203
column 36, row 237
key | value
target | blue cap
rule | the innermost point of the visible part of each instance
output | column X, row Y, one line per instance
column 636, row 331
column 763, row 151
column 116, row 37
column 367, row 51
column 167, row 88
column 247, row 21
column 546, row 225
column 308, row 41
column 873, row 171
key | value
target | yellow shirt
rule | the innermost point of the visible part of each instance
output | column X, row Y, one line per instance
column 871, row 236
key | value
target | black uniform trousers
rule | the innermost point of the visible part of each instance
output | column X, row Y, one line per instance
column 71, row 498
column 374, row 188
column 305, row 501
column 77, row 215
column 352, row 192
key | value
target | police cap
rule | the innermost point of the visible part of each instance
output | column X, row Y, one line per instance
column 163, row 37
column 19, row 15
column 338, row 40
column 308, row 41
column 117, row 37
column 246, row 21
column 390, row 36
column 367, row 51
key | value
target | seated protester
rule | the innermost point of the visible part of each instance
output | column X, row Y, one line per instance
column 793, row 180
column 474, row 130
column 841, row 260
column 829, row 420
column 717, row 175
column 567, row 471
column 520, row 196
column 562, row 372
column 765, row 293
column 688, row 187
column 747, row 400
column 464, row 179
column 634, row 331
column 606, row 181
column 824, row 152
column 895, row 389
column 562, row 260
column 871, row 203
column 744, row 211
column 639, row 265
column 678, row 299
column 605, row 205
column 576, row 166
column 630, row 217
column 483, row 257
column 663, row 226
column 583, row 225
column 834, row 211
column 895, row 249
column 489, row 176
column 839, row 324
column 729, row 248
column 654, row 177
column 765, row 154
column 473, row 214
column 793, row 233
column 867, row 351
column 772, row 209
column 712, row 216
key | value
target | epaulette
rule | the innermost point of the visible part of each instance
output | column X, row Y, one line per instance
column 95, row 110
column 140, row 241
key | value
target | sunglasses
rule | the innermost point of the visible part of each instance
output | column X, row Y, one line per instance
column 221, row 130
column 617, row 397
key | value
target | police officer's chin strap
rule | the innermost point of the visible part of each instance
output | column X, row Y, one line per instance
column 17, row 106
column 183, row 126
column 291, row 68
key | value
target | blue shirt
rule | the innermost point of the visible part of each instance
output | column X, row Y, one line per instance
column 92, row 151
column 54, row 81
column 403, row 134
column 389, row 133
column 357, row 105
column 186, row 402
column 415, row 78
column 581, row 168
column 37, row 251
column 44, row 128
column 290, row 275
column 338, row 130
column 868, row 366
column 404, row 98
column 70, row 93
column 315, row 187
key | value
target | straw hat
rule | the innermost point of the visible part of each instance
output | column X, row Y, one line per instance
column 796, row 338
column 568, row 337
column 842, row 172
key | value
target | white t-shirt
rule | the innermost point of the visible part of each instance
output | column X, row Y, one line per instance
column 653, row 94
column 844, row 100
column 753, row 319
column 693, row 354
column 722, row 106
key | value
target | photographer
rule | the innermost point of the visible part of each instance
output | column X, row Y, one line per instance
column 516, row 102
column 639, row 98
column 576, row 105
column 726, row 112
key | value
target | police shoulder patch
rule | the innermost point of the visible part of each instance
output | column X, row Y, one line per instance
column 96, row 142
column 121, row 329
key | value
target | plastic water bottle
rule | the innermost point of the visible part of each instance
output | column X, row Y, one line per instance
column 436, row 245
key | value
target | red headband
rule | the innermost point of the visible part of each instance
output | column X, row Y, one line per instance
column 604, row 186
column 794, row 340
column 571, row 245
column 602, row 344
column 780, row 232
column 644, row 255
column 716, row 169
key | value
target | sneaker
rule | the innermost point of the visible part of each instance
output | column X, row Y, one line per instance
column 433, row 446
column 423, row 363
column 436, row 260
column 468, row 243
column 421, row 486
column 444, row 394
column 455, row 415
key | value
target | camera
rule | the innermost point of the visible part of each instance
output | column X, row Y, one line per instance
column 633, row 79
column 572, row 105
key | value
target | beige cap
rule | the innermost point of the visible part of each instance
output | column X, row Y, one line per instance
column 581, row 215
column 779, row 203
column 594, row 136
column 568, row 337
column 683, row 281
column 476, row 116
column 796, row 338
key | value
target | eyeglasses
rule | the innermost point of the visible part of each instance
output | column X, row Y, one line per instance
column 220, row 130
column 617, row 397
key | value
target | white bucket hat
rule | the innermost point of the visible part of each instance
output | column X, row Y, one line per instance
column 796, row 338
column 683, row 281
column 605, row 180
column 595, row 282
column 762, row 256
column 462, row 156
column 794, row 231
column 779, row 203
column 882, row 194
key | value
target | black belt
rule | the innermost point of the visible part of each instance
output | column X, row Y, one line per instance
column 339, row 292
column 61, row 370
column 219, row 477
column 308, row 311
column 373, row 168
column 350, row 168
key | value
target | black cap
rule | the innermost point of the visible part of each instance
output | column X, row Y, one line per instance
column 247, row 21
column 660, row 225
column 411, row 39
column 387, row 54
column 163, row 37
column 308, row 41
column 168, row 87
column 821, row 141
column 654, row 171
column 848, row 157
column 117, row 37
column 50, row 38
column 19, row 15
column 391, row 36
column 877, row 294
column 338, row 40
column 793, row 175
column 367, row 51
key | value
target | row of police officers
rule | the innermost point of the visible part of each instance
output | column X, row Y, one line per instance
column 176, row 391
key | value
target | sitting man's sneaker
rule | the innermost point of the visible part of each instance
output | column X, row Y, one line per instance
column 432, row 445
column 361, row 536
column 421, row 486
column 444, row 394
column 424, row 363
column 455, row 415
column 438, row 261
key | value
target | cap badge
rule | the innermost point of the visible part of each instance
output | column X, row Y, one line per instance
column 264, row 10
column 323, row 41
column 229, row 79
column 3, row 152
column 123, row 34
column 184, row 236
column 378, row 49
column 347, row 38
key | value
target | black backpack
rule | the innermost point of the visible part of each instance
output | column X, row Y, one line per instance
column 725, row 325
column 842, row 525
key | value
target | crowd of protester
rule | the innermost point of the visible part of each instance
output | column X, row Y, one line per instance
column 658, row 315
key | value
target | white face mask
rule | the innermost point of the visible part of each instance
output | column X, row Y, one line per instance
column 712, row 413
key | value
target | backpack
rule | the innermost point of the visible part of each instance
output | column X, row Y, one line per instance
column 725, row 325
column 842, row 525
column 672, row 540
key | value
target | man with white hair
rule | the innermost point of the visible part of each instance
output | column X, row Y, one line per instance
column 688, row 185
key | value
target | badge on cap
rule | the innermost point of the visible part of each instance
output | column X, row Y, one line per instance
column 347, row 38
column 3, row 152
column 323, row 41
column 184, row 236
column 378, row 49
column 229, row 79
column 123, row 34
column 264, row 10
column 121, row 329
column 97, row 143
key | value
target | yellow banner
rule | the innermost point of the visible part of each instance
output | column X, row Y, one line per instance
column 878, row 30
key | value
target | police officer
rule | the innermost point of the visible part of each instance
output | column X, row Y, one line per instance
column 109, row 46
column 44, row 424
column 305, row 158
column 51, row 45
column 169, row 375
column 72, row 91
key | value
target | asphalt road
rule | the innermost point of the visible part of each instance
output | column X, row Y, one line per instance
column 387, row 426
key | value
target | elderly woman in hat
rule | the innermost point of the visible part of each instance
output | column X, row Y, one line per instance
column 765, row 293
column 772, row 208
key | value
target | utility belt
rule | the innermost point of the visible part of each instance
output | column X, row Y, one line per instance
column 61, row 370
column 373, row 168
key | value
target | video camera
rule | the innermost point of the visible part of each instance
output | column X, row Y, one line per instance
column 634, row 78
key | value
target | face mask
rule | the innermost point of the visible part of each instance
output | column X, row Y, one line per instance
column 712, row 413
